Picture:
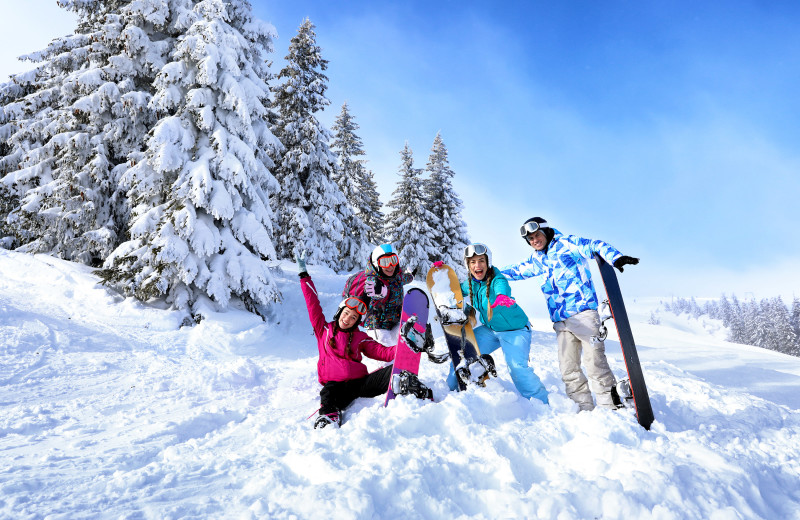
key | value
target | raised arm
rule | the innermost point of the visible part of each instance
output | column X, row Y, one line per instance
column 587, row 248
column 312, row 303
column 527, row 269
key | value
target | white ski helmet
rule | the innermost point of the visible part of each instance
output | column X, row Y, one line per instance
column 477, row 249
column 381, row 250
column 345, row 303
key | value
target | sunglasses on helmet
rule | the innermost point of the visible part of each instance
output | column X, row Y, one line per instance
column 530, row 227
column 388, row 260
column 474, row 249
column 356, row 304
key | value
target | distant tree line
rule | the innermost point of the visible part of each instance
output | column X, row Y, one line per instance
column 769, row 324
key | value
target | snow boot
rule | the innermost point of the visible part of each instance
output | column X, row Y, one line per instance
column 329, row 418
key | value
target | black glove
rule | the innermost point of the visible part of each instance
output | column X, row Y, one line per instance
column 375, row 289
column 468, row 310
column 625, row 260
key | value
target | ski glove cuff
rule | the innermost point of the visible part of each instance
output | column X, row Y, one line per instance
column 625, row 260
column 503, row 301
column 375, row 289
column 300, row 258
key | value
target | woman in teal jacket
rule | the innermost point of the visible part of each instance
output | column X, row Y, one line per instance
column 505, row 324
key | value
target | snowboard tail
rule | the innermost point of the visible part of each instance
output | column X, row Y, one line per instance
column 641, row 399
column 464, row 352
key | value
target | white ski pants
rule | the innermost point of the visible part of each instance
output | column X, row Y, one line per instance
column 385, row 337
column 575, row 342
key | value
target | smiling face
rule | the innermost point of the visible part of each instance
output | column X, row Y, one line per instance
column 478, row 266
column 537, row 240
column 347, row 318
column 389, row 271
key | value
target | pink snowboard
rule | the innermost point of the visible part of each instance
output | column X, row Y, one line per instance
column 415, row 303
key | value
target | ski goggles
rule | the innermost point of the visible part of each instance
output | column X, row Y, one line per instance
column 356, row 305
column 531, row 227
column 388, row 261
column 475, row 249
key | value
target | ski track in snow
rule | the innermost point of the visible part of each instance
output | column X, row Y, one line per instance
column 108, row 409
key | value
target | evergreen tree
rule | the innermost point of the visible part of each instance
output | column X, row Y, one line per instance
column 794, row 320
column 725, row 311
column 202, row 223
column 407, row 225
column 738, row 329
column 79, row 118
column 795, row 315
column 450, row 231
column 355, row 181
column 784, row 338
column 312, row 212
column 694, row 309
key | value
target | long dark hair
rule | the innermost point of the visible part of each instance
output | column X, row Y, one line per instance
column 332, row 341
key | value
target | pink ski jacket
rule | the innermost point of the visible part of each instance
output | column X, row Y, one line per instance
column 334, row 364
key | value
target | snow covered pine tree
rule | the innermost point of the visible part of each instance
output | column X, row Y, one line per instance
column 356, row 182
column 408, row 224
column 312, row 212
column 78, row 119
column 202, row 224
column 443, row 203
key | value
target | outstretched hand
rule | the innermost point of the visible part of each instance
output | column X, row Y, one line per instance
column 300, row 258
column 503, row 300
column 625, row 260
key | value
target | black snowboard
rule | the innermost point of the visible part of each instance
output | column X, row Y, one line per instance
column 641, row 400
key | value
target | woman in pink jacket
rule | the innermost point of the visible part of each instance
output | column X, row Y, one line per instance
column 342, row 346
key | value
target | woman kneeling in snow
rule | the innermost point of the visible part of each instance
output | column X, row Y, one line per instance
column 341, row 345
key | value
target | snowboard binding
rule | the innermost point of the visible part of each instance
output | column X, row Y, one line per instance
column 605, row 314
column 418, row 343
column 621, row 393
column 452, row 315
column 624, row 389
column 476, row 370
column 404, row 383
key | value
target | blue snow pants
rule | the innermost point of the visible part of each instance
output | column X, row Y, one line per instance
column 516, row 345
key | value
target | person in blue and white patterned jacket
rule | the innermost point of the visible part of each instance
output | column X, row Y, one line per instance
column 562, row 263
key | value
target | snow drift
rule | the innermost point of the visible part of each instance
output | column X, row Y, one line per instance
column 109, row 409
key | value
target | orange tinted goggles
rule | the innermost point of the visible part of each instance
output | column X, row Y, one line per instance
column 388, row 260
column 356, row 304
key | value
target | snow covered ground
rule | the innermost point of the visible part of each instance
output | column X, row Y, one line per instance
column 109, row 409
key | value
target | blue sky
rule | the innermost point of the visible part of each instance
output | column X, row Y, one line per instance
column 669, row 129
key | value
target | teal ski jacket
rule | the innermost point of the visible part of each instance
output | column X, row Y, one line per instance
column 503, row 318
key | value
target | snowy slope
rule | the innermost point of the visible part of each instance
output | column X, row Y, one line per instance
column 108, row 409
